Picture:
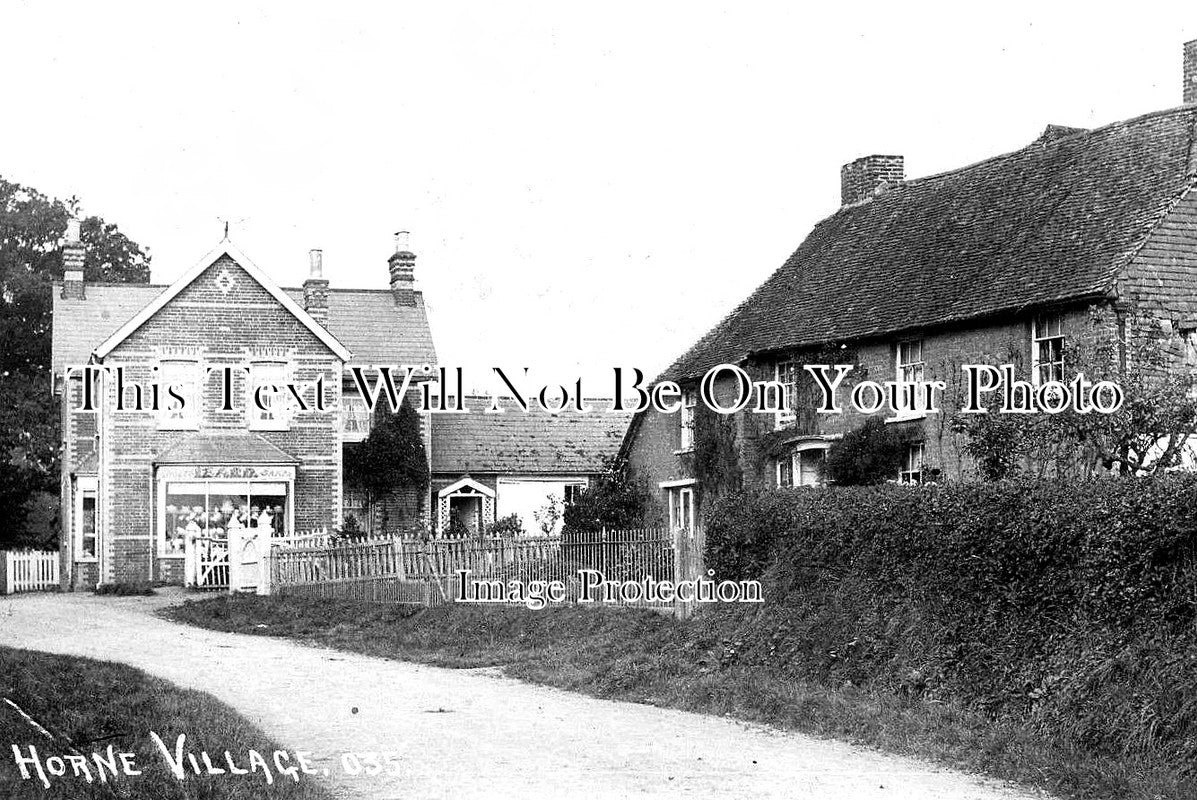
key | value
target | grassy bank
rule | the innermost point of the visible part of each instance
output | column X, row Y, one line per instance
column 87, row 705
column 694, row 665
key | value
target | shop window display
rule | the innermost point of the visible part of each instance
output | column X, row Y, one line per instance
column 209, row 510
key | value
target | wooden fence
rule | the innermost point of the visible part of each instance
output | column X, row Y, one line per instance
column 426, row 570
column 28, row 571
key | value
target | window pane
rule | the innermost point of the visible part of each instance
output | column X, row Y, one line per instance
column 267, row 385
column 88, row 525
column 178, row 379
column 185, row 512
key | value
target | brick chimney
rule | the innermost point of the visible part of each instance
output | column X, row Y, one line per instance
column 403, row 272
column 1190, row 94
column 864, row 177
column 315, row 288
column 72, row 262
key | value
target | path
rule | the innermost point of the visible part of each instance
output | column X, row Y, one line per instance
column 471, row 732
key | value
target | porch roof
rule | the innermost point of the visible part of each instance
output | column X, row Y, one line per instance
column 225, row 447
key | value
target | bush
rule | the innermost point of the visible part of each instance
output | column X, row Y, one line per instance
column 871, row 454
column 1067, row 605
column 510, row 525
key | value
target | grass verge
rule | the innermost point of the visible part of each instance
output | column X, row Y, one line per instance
column 641, row 656
column 87, row 706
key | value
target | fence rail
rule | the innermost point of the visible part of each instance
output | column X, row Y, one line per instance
column 426, row 570
column 28, row 571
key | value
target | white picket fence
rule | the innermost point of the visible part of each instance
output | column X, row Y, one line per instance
column 28, row 571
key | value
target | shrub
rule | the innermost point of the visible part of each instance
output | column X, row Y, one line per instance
column 1067, row 605
column 615, row 499
column 871, row 454
column 510, row 525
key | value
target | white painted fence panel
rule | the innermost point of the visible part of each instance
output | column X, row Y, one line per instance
column 29, row 570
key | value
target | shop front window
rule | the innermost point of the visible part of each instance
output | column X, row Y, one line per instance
column 208, row 509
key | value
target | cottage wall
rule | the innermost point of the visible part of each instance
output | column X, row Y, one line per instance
column 654, row 448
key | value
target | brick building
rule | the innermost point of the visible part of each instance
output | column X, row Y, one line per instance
column 145, row 488
column 489, row 466
column 1076, row 238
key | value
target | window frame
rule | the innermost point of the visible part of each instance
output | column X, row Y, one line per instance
column 686, row 420
column 254, row 421
column 793, row 464
column 352, row 398
column 789, row 392
column 85, row 487
column 681, row 508
column 193, row 403
column 910, row 372
column 1040, row 339
column 909, row 473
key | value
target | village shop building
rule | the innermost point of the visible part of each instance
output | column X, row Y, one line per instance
column 147, row 494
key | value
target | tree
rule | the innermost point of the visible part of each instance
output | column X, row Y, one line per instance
column 32, row 227
column 1151, row 432
column 871, row 454
column 391, row 458
column 612, row 500
column 28, row 450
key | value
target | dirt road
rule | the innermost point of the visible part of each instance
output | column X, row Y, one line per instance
column 471, row 732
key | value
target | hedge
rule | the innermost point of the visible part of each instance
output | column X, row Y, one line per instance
column 1072, row 606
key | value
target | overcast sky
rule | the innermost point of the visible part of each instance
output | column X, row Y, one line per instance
column 585, row 185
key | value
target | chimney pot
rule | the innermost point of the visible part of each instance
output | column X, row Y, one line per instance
column 868, row 176
column 315, row 288
column 1190, row 72
column 403, row 271
column 73, row 254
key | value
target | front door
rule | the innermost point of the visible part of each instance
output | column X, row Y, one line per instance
column 681, row 509
column 465, row 515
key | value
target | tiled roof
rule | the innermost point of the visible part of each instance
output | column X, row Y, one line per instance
column 225, row 447
column 367, row 321
column 535, row 442
column 375, row 328
column 1049, row 223
column 79, row 326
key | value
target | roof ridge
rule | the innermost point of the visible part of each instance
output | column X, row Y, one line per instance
column 1046, row 145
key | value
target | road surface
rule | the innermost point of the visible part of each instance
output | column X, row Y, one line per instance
column 471, row 733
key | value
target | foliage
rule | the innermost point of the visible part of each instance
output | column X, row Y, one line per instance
column 28, row 450
column 508, row 526
column 614, row 499
column 1065, row 605
column 716, row 461
column 1148, row 434
column 391, row 458
column 32, row 227
column 548, row 516
column 870, row 454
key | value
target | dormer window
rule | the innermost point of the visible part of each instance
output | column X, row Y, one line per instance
column 1047, row 348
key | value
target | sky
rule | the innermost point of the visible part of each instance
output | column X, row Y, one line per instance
column 585, row 185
